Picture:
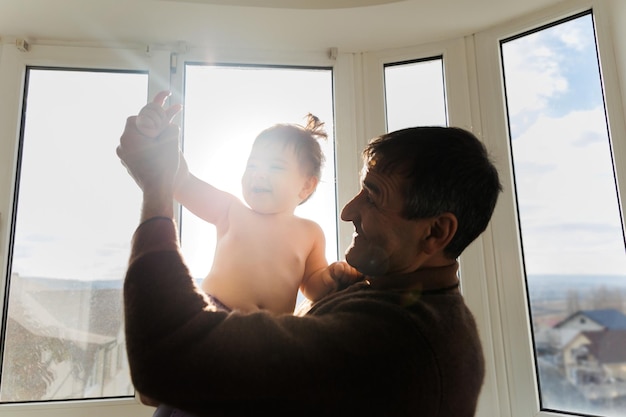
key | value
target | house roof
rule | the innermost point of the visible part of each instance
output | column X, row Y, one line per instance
column 34, row 317
column 610, row 319
column 608, row 346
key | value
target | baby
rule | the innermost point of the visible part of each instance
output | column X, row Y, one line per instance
column 264, row 252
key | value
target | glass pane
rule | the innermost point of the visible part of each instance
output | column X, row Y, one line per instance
column 76, row 210
column 573, row 241
column 415, row 94
column 226, row 107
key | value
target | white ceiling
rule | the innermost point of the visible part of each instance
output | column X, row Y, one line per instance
column 350, row 25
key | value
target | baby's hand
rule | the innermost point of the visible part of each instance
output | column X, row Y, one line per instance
column 153, row 118
column 344, row 274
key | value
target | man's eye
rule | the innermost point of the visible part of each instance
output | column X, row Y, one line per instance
column 277, row 167
column 369, row 200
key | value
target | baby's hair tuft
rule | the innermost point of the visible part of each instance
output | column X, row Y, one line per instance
column 316, row 127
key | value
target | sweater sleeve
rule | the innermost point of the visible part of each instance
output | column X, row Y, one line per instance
column 159, row 295
column 154, row 234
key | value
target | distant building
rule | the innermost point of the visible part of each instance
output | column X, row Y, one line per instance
column 609, row 349
column 594, row 320
column 591, row 346
column 64, row 341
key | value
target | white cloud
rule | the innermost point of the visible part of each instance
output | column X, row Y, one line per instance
column 573, row 35
column 567, row 198
column 533, row 74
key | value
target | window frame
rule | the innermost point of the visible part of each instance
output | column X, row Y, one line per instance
column 413, row 63
column 507, row 296
column 455, row 74
column 165, row 69
column 13, row 68
column 344, row 89
column 463, row 110
column 190, row 60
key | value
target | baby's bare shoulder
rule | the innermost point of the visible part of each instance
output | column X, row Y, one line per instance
column 308, row 224
column 311, row 231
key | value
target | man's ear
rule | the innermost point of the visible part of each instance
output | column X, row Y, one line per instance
column 308, row 187
column 442, row 229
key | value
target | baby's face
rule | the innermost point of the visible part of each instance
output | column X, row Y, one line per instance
column 273, row 181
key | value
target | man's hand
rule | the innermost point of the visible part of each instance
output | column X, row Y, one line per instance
column 152, row 162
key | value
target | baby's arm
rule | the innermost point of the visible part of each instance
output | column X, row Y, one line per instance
column 200, row 197
column 337, row 275
column 320, row 278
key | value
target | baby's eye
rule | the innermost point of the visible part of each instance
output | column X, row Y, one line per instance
column 277, row 167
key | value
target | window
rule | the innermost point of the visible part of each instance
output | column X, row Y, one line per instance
column 76, row 208
column 415, row 94
column 226, row 107
column 361, row 83
column 569, row 217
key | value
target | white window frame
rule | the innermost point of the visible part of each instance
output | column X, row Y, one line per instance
column 344, row 107
column 13, row 67
column 512, row 345
column 165, row 72
column 462, row 111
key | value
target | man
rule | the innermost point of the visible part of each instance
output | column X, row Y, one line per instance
column 401, row 342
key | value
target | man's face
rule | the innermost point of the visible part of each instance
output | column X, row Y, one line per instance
column 384, row 242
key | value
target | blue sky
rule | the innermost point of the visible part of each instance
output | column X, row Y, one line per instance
column 564, row 176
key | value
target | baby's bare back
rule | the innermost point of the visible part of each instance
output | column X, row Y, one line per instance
column 260, row 260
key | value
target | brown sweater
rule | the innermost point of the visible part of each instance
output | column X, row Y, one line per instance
column 369, row 350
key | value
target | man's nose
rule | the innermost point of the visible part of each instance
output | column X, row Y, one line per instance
column 348, row 213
